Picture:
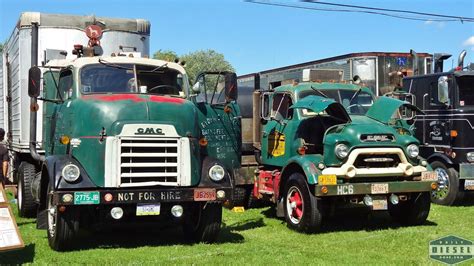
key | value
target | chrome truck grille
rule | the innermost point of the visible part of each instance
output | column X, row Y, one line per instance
column 147, row 161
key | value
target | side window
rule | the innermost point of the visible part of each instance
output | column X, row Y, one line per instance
column 281, row 107
column 65, row 84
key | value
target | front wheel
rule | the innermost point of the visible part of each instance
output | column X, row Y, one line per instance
column 448, row 192
column 414, row 211
column 203, row 222
column 302, row 209
column 26, row 203
column 62, row 225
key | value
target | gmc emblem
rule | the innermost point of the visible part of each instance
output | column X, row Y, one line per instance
column 149, row 131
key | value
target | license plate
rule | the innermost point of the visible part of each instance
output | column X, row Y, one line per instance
column 429, row 176
column 204, row 194
column 148, row 209
column 92, row 197
column 327, row 180
column 468, row 184
column 379, row 204
column 379, row 188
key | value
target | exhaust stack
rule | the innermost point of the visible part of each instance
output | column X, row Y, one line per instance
column 461, row 58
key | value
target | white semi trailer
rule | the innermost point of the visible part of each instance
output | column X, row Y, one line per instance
column 38, row 38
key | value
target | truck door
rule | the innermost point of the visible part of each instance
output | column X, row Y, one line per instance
column 219, row 116
column 437, row 123
column 276, row 137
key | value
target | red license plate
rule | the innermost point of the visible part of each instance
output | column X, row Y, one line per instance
column 204, row 194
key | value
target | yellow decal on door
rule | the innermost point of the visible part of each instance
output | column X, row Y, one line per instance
column 276, row 144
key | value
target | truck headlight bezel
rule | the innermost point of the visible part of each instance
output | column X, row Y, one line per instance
column 470, row 157
column 341, row 150
column 71, row 173
column 216, row 173
column 413, row 150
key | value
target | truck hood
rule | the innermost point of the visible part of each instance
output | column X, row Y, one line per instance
column 384, row 109
column 320, row 104
column 112, row 111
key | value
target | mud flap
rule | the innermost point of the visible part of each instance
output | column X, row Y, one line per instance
column 280, row 212
column 42, row 220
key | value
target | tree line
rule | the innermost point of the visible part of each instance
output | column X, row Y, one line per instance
column 196, row 62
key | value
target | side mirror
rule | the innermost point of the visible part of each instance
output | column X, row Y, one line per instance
column 443, row 95
column 197, row 87
column 231, row 92
column 265, row 106
column 34, row 82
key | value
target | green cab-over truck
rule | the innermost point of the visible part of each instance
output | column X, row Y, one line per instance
column 327, row 145
column 126, row 139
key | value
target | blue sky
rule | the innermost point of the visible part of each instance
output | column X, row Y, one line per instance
column 257, row 37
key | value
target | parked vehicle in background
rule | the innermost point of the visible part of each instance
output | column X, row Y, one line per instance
column 327, row 145
column 124, row 140
column 447, row 100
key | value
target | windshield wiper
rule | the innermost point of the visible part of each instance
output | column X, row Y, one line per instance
column 355, row 95
column 320, row 92
column 105, row 63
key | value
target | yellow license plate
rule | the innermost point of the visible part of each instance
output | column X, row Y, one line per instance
column 327, row 180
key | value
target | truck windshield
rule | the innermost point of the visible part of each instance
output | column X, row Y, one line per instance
column 120, row 78
column 466, row 90
column 355, row 104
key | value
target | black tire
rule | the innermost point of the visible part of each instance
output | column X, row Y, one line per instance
column 62, row 226
column 302, row 209
column 448, row 191
column 414, row 211
column 27, row 206
column 203, row 222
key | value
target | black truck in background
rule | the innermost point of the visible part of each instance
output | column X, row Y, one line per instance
column 446, row 129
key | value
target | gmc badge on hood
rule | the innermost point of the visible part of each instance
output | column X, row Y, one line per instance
column 377, row 138
column 149, row 131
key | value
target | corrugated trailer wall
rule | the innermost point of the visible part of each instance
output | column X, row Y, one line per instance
column 55, row 32
column 2, row 94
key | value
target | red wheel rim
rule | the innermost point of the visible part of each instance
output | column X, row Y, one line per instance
column 295, row 205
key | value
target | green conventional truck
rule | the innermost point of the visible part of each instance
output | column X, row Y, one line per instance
column 327, row 145
column 126, row 140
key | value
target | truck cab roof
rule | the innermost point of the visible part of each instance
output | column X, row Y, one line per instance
column 321, row 86
column 82, row 61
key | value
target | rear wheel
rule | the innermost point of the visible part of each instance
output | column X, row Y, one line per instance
column 62, row 226
column 448, row 192
column 302, row 211
column 414, row 211
column 203, row 222
column 26, row 204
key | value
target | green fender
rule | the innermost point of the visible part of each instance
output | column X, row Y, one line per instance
column 309, row 165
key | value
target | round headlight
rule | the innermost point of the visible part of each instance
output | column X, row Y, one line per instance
column 216, row 172
column 413, row 150
column 71, row 172
column 342, row 151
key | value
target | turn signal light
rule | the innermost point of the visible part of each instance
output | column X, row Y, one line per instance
column 434, row 185
column 454, row 133
column 302, row 150
column 203, row 142
column 62, row 208
column 64, row 140
column 324, row 189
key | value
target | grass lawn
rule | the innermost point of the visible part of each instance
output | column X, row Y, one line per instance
column 256, row 237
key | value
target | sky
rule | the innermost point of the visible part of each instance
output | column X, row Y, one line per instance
column 256, row 37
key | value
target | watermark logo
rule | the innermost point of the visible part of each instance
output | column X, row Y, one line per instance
column 451, row 249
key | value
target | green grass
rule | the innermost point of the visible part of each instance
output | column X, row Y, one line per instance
column 256, row 237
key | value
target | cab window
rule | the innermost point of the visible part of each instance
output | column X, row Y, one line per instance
column 281, row 107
